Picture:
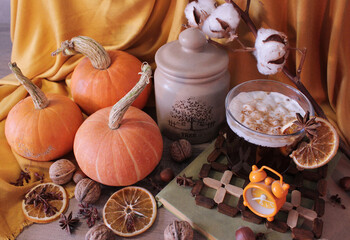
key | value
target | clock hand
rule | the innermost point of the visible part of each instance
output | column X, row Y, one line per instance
column 266, row 200
column 259, row 198
column 262, row 198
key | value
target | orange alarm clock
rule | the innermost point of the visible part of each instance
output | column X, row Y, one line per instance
column 264, row 195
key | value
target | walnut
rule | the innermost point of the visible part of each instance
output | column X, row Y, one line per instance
column 78, row 175
column 180, row 150
column 100, row 232
column 178, row 230
column 87, row 191
column 61, row 171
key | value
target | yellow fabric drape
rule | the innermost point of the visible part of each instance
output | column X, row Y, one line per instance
column 140, row 27
column 37, row 28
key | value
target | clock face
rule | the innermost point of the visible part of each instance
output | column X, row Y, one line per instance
column 262, row 198
column 261, row 201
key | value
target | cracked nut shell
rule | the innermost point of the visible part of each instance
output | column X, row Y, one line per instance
column 100, row 232
column 61, row 171
column 178, row 230
column 180, row 150
column 87, row 191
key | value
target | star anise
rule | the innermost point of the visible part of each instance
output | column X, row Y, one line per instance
column 41, row 198
column 68, row 223
column 309, row 125
column 90, row 213
column 24, row 176
column 336, row 200
column 39, row 177
column 184, row 181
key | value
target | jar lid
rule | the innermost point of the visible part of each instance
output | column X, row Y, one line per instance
column 191, row 56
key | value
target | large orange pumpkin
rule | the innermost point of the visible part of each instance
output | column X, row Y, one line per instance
column 41, row 127
column 102, row 77
column 119, row 146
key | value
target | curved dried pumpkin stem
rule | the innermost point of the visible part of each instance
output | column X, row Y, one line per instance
column 88, row 47
column 39, row 99
column 119, row 109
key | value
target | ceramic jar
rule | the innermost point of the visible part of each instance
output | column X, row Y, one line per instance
column 191, row 83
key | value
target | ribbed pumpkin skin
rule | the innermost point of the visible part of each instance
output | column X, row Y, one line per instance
column 43, row 134
column 94, row 89
column 119, row 157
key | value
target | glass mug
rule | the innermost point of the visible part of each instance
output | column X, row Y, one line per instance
column 266, row 149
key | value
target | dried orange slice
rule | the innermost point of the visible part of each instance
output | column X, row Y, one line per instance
column 130, row 211
column 320, row 149
column 45, row 202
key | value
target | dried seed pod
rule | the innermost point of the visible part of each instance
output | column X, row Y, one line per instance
column 100, row 232
column 61, row 171
column 78, row 175
column 87, row 191
column 181, row 150
column 178, row 230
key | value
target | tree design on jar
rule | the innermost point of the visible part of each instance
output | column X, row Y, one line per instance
column 191, row 114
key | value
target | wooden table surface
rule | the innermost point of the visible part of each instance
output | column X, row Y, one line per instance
column 336, row 220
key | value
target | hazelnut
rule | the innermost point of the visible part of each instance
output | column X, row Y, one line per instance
column 344, row 183
column 100, row 232
column 87, row 191
column 61, row 171
column 166, row 175
column 180, row 150
column 178, row 230
column 245, row 233
column 78, row 175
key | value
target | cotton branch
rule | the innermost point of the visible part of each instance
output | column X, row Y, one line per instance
column 294, row 78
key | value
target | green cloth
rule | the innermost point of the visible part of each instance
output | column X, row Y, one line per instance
column 210, row 222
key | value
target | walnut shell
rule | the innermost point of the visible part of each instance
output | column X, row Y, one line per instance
column 61, row 171
column 78, row 175
column 100, row 232
column 180, row 150
column 87, row 191
column 178, row 230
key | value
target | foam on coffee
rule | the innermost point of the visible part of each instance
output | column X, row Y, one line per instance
column 265, row 112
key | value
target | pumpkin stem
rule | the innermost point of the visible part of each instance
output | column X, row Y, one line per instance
column 119, row 109
column 39, row 99
column 88, row 47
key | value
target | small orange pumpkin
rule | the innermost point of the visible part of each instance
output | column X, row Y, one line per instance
column 103, row 77
column 119, row 145
column 41, row 127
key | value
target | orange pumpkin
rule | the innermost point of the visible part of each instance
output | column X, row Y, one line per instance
column 102, row 77
column 41, row 127
column 119, row 145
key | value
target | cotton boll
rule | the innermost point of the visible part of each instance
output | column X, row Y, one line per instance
column 207, row 5
column 190, row 14
column 271, row 51
column 199, row 9
column 222, row 22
